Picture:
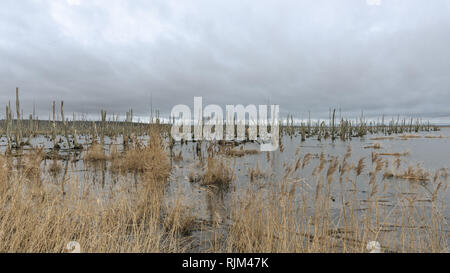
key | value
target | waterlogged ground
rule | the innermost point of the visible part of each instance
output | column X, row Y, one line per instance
column 428, row 151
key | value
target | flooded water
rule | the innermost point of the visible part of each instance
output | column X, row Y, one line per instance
column 430, row 153
column 427, row 150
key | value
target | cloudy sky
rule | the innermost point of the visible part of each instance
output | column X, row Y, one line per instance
column 391, row 58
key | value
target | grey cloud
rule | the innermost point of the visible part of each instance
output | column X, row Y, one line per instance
column 303, row 55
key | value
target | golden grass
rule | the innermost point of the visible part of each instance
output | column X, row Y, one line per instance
column 55, row 167
column 412, row 173
column 218, row 172
column 114, row 152
column 257, row 173
column 406, row 137
column 44, row 221
column 279, row 221
column 382, row 138
column 178, row 157
column 96, row 153
column 150, row 159
column 44, row 218
column 32, row 165
column 179, row 218
column 432, row 136
column 339, row 208
column 4, row 173
column 395, row 154
column 283, row 217
column 241, row 152
column 374, row 146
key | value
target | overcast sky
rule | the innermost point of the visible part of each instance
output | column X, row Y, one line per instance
column 303, row 55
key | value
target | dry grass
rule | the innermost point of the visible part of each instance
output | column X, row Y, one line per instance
column 132, row 218
column 194, row 176
column 217, row 172
column 114, row 152
column 241, row 152
column 179, row 218
column 412, row 173
column 395, row 154
column 339, row 208
column 55, row 167
column 374, row 146
column 382, row 138
column 45, row 220
column 96, row 153
column 257, row 173
column 406, row 137
column 150, row 159
column 178, row 157
column 283, row 217
column 32, row 165
column 4, row 173
column 432, row 136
